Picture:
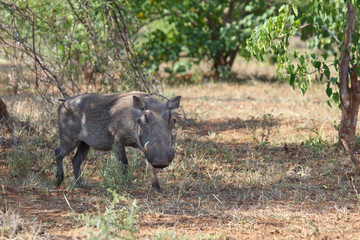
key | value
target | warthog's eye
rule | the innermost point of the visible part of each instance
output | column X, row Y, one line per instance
column 144, row 119
column 167, row 115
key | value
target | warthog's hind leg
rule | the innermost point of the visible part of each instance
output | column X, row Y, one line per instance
column 81, row 153
column 59, row 162
column 60, row 152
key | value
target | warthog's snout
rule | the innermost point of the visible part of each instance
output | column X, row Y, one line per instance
column 160, row 159
column 159, row 153
column 163, row 164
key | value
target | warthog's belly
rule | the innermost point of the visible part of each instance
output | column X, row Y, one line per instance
column 102, row 148
column 98, row 142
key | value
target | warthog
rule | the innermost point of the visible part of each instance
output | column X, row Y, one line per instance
column 102, row 121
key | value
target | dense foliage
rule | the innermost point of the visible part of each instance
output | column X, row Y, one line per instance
column 186, row 32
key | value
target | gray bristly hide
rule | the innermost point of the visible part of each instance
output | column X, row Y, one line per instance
column 102, row 121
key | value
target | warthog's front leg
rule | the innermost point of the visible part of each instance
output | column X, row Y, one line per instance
column 121, row 157
column 154, row 180
column 121, row 154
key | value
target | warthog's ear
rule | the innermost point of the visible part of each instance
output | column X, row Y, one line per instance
column 138, row 103
column 173, row 103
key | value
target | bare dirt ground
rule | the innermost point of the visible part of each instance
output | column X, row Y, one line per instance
column 253, row 161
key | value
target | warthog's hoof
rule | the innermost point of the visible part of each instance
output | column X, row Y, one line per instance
column 157, row 187
column 59, row 180
column 79, row 184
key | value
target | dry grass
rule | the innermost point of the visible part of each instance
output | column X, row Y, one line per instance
column 253, row 161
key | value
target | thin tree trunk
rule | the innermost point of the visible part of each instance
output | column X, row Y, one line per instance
column 350, row 111
column 349, row 100
column 222, row 61
column 218, row 62
column 349, row 96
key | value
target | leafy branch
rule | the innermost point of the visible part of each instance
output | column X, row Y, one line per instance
column 275, row 33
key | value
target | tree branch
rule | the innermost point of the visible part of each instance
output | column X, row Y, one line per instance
column 299, row 29
column 323, row 27
column 332, row 34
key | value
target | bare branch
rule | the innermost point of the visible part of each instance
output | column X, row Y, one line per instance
column 332, row 34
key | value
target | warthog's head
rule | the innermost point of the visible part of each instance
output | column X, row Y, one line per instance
column 154, row 131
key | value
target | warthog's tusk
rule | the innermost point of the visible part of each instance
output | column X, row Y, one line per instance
column 145, row 146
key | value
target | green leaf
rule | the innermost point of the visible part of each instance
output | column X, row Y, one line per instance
column 319, row 21
column 329, row 104
column 296, row 54
column 325, row 56
column 316, row 64
column 328, row 90
column 295, row 10
column 326, row 71
column 333, row 80
column 303, row 88
column 308, row 79
column 292, row 79
column 336, row 97
column 357, row 70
